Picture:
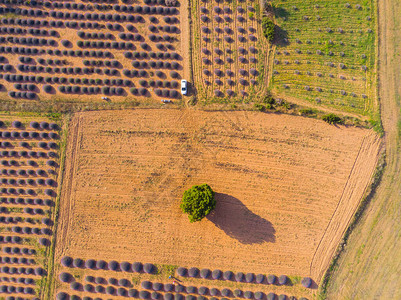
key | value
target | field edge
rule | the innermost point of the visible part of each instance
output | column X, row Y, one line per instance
column 359, row 213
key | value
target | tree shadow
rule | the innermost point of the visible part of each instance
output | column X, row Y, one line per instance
column 280, row 37
column 281, row 12
column 237, row 221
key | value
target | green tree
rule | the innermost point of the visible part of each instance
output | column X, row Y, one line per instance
column 198, row 202
column 268, row 28
column 332, row 119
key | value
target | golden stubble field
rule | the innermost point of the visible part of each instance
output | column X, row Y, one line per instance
column 286, row 188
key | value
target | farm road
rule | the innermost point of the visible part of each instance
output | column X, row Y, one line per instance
column 371, row 263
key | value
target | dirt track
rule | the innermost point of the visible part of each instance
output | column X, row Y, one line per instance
column 370, row 267
column 280, row 178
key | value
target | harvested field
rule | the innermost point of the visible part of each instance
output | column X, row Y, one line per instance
column 229, row 50
column 279, row 189
column 85, row 51
column 325, row 53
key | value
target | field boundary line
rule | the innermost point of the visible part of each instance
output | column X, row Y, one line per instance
column 190, row 50
column 384, row 162
column 48, row 289
column 66, row 192
column 72, row 131
column 338, row 205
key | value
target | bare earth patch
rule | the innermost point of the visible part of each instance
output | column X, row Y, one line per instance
column 286, row 188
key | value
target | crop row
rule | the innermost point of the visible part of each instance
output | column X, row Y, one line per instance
column 82, row 24
column 113, row 265
column 26, row 230
column 72, row 80
column 27, row 201
column 38, row 51
column 81, row 6
column 156, row 290
column 138, row 9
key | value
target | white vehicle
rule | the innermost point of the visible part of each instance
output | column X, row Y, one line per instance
column 183, row 87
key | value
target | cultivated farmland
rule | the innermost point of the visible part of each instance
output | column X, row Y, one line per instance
column 84, row 51
column 286, row 189
column 229, row 51
column 29, row 184
column 326, row 53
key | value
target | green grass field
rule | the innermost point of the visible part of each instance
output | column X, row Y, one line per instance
column 325, row 53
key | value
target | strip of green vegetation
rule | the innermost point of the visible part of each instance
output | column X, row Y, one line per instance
column 269, row 104
column 48, row 281
column 326, row 53
column 54, row 109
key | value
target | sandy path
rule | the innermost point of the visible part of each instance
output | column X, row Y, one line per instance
column 185, row 37
column 66, row 207
column 371, row 264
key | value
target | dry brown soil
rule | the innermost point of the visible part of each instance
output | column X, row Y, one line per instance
column 286, row 187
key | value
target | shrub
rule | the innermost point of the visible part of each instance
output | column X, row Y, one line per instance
column 271, row 279
column 205, row 273
column 260, row 278
column 216, row 274
column 332, row 119
column 228, row 275
column 306, row 282
column 268, row 28
column 214, row 292
column 149, row 268
column 181, row 271
column 110, row 290
column 191, row 289
column 62, row 296
column 113, row 265
column 238, row 293
column 78, row 263
column 65, row 277
column 144, row 295
column 157, row 286
column 198, row 202
column 193, row 272
column 99, row 289
column 282, row 279
column 90, row 264
column 66, row 261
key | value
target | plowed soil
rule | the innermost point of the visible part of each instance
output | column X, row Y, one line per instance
column 286, row 188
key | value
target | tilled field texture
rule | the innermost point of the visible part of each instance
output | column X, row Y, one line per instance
column 286, row 188
column 86, row 51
